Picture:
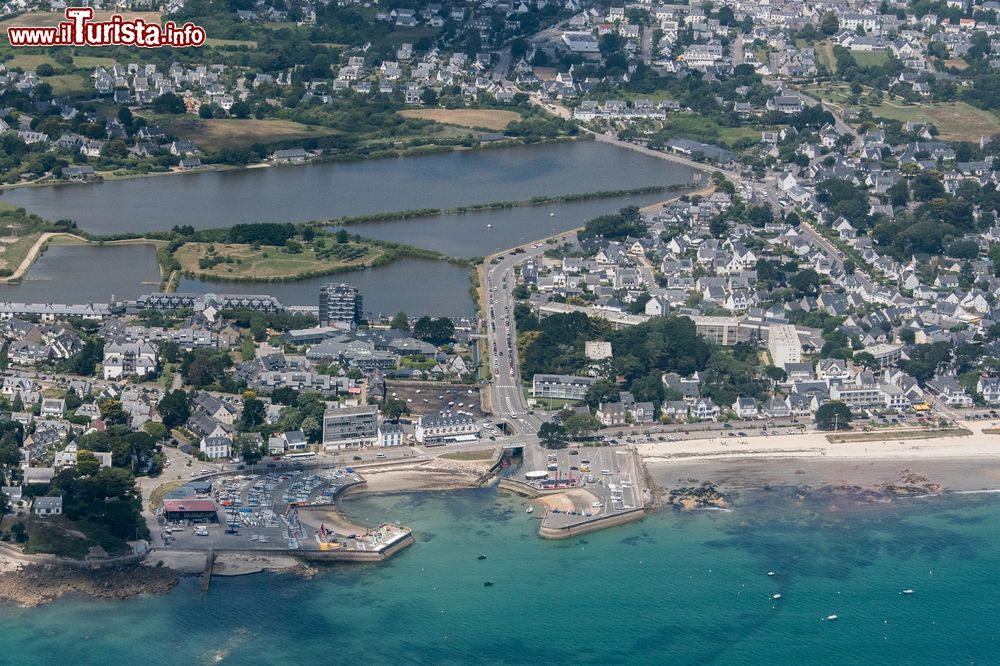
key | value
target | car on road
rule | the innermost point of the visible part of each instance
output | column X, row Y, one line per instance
column 357, row 458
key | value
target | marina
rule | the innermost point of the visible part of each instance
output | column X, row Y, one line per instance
column 273, row 512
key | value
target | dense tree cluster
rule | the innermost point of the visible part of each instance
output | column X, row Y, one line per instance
column 265, row 233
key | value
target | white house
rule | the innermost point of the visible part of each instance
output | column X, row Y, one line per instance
column 123, row 359
column 216, row 448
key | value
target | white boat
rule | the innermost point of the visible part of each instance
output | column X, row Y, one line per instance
column 907, row 591
column 831, row 618
column 770, row 573
column 530, row 509
column 489, row 226
column 597, row 505
column 775, row 596
column 552, row 214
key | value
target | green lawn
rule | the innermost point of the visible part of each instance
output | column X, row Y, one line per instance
column 956, row 121
column 235, row 133
column 870, row 58
column 824, row 52
column 31, row 61
column 69, row 84
column 231, row 42
column 469, row 456
column 265, row 263
column 92, row 62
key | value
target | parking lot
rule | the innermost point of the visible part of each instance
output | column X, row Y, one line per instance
column 253, row 512
column 608, row 474
column 431, row 398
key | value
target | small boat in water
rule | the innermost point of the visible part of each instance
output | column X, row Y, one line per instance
column 831, row 618
column 530, row 509
column 552, row 214
column 487, row 583
column 482, row 557
column 770, row 573
column 907, row 591
column 489, row 226
column 775, row 596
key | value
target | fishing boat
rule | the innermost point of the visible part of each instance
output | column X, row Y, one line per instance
column 775, row 596
column 530, row 509
column 489, row 226
column 487, row 583
column 831, row 618
column 907, row 591
column 770, row 573
column 482, row 557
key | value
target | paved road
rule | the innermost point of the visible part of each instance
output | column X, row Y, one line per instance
column 647, row 45
column 506, row 395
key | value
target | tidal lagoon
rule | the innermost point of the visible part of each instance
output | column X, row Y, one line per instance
column 328, row 190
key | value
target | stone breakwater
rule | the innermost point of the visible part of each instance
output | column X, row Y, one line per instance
column 37, row 584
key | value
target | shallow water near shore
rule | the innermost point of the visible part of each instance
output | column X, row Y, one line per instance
column 680, row 588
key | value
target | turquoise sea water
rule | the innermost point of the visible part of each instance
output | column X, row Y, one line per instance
column 672, row 589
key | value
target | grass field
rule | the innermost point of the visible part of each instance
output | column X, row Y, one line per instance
column 53, row 18
column 230, row 132
column 14, row 250
column 870, row 58
column 30, row 61
column 231, row 42
column 69, row 84
column 91, row 62
column 956, row 121
column 469, row 456
column 494, row 119
column 266, row 263
column 824, row 51
column 901, row 435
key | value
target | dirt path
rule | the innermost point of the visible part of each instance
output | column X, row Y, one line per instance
column 30, row 258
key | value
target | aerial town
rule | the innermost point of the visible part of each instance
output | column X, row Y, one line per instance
column 829, row 270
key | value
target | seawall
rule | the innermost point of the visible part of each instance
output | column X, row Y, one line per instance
column 590, row 525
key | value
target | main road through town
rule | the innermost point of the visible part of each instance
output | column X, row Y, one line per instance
column 506, row 395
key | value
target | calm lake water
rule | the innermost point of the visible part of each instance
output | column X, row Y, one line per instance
column 318, row 191
column 674, row 588
column 467, row 234
column 87, row 274
column 416, row 286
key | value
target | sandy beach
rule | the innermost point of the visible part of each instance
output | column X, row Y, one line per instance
column 816, row 445
column 437, row 474
column 958, row 463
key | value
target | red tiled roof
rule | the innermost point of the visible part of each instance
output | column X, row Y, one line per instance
column 188, row 505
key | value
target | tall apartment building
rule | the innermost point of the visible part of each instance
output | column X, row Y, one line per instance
column 349, row 427
column 339, row 304
column 783, row 343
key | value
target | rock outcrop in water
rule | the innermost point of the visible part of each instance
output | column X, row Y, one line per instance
column 697, row 497
column 37, row 584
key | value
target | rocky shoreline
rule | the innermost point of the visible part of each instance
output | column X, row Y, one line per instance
column 37, row 584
